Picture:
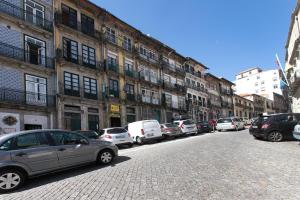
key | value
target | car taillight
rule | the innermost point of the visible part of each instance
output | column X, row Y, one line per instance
column 181, row 126
column 108, row 136
column 142, row 131
column 265, row 126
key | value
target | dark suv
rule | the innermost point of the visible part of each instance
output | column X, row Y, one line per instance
column 275, row 128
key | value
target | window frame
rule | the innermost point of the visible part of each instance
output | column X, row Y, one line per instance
column 71, row 91
column 90, row 94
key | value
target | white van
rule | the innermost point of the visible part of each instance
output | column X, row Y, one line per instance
column 144, row 130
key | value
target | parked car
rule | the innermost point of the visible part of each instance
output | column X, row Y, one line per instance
column 230, row 123
column 203, row 127
column 246, row 120
column 30, row 153
column 90, row 134
column 296, row 132
column 170, row 130
column 187, row 127
column 145, row 130
column 117, row 135
column 275, row 128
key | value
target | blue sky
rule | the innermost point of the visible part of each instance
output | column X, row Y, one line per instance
column 227, row 36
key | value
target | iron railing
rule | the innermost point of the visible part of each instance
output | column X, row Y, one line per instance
column 114, row 93
column 118, row 41
column 26, row 16
column 19, row 97
column 131, row 73
column 130, row 97
column 31, row 57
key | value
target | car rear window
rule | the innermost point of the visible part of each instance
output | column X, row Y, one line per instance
column 227, row 120
column 187, row 122
column 116, row 130
column 171, row 125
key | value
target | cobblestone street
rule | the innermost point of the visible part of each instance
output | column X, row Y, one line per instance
column 226, row 165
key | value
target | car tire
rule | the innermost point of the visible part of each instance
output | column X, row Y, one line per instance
column 138, row 140
column 130, row 145
column 105, row 157
column 275, row 136
column 15, row 180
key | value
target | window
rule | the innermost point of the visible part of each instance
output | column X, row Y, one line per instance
column 112, row 61
column 69, row 16
column 71, row 84
column 128, row 65
column 90, row 88
column 35, row 51
column 127, row 43
column 152, row 55
column 275, row 79
column 143, row 50
column 36, row 90
column 113, row 88
column 257, row 77
column 263, row 89
column 66, row 138
column 35, row 12
column 87, row 25
column 88, row 56
column 111, row 35
column 262, row 82
column 70, row 50
column 188, row 81
column 31, row 140
column 129, row 89
column 7, row 145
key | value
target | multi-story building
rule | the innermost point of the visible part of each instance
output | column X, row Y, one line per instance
column 269, row 106
column 257, row 81
column 27, row 75
column 259, row 103
column 242, row 107
column 280, row 105
column 292, row 59
column 196, row 90
column 226, row 94
column 214, row 98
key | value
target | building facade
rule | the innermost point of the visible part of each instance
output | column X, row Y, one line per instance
column 214, row 98
column 259, row 104
column 292, row 60
column 196, row 90
column 226, row 94
column 27, row 68
column 242, row 107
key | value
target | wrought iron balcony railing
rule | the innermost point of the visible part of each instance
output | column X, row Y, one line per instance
column 26, row 16
column 114, row 93
column 130, row 97
column 31, row 57
column 18, row 97
column 119, row 42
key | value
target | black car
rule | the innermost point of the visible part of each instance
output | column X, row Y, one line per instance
column 203, row 127
column 275, row 128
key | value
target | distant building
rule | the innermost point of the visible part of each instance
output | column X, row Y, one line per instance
column 226, row 94
column 214, row 98
column 259, row 103
column 243, row 107
column 257, row 81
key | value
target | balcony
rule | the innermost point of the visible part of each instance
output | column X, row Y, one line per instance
column 130, row 97
column 148, row 57
column 149, row 99
column 131, row 73
column 78, row 26
column 114, row 93
column 149, row 79
column 118, row 42
column 114, row 67
column 25, row 56
column 198, row 74
column 225, row 91
column 169, row 85
column 17, row 97
column 172, row 68
column 26, row 16
column 90, row 96
column 79, row 60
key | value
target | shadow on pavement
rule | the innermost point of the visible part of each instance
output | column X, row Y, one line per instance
column 67, row 173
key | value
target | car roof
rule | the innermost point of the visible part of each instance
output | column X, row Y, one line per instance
column 106, row 129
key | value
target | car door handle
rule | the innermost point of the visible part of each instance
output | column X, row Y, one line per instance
column 21, row 154
column 61, row 149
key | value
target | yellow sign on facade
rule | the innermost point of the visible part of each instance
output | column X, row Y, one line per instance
column 115, row 108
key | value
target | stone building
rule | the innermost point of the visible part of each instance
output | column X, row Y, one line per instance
column 27, row 70
column 226, row 94
column 242, row 107
column 214, row 98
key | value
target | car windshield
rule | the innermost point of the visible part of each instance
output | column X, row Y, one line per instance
column 170, row 125
column 116, row 131
column 187, row 122
column 226, row 120
column 89, row 134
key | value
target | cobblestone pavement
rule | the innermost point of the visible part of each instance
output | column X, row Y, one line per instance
column 226, row 165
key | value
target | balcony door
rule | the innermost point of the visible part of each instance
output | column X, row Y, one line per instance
column 35, row 51
column 36, row 90
column 35, row 13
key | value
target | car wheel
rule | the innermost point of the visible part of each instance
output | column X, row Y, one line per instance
column 11, row 180
column 275, row 136
column 138, row 140
column 105, row 156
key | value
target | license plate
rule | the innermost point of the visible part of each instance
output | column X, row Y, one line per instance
column 120, row 137
column 254, row 126
column 204, row 126
column 150, row 134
